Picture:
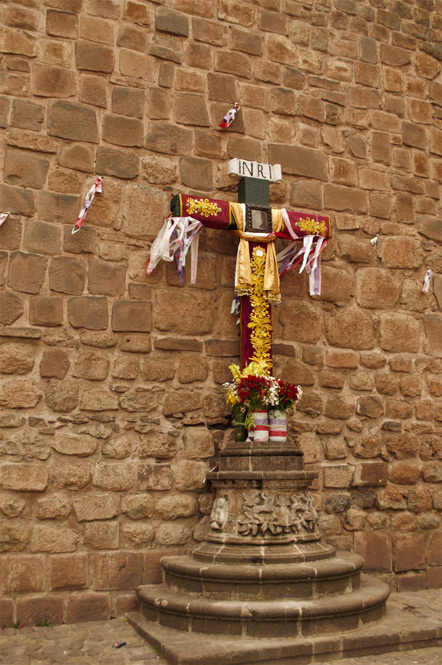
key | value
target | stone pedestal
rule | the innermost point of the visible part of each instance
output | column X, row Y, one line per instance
column 262, row 571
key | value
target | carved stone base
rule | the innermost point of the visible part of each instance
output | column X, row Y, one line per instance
column 261, row 570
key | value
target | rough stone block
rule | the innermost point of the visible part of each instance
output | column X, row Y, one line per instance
column 192, row 368
column 337, row 475
column 137, row 507
column 91, row 366
column 6, row 611
column 97, row 29
column 221, row 88
column 26, row 114
column 61, row 24
column 73, row 121
column 370, row 474
column 172, row 22
column 55, row 207
column 68, row 571
column 189, row 475
column 78, row 157
column 169, row 139
column 46, row 311
column 102, row 535
column 24, row 478
column 94, row 57
column 399, row 333
column 18, row 42
column 119, row 163
column 23, row 574
column 132, row 37
column 132, row 316
column 301, row 321
column 88, row 312
column 306, row 194
column 98, row 399
column 16, row 359
column 128, row 101
column 26, row 272
column 198, row 443
column 10, row 234
column 54, row 364
column 113, row 477
column 17, row 394
column 93, row 90
column 404, row 473
column 401, row 252
column 71, row 476
column 66, row 275
column 137, row 13
column 409, row 552
column 11, row 308
column 118, row 571
column 88, row 607
column 190, row 109
column 376, row 550
column 35, row 610
column 196, row 173
column 106, row 278
column 53, row 539
column 154, row 476
column 432, row 472
column 367, row 47
column 351, row 329
column 96, row 507
column 42, row 238
column 136, row 65
column 62, row 397
column 123, row 131
column 125, row 368
column 49, row 81
column 17, row 200
column 299, row 161
column 433, row 330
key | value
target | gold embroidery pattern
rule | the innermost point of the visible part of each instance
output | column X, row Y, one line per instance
column 312, row 227
column 203, row 207
column 260, row 321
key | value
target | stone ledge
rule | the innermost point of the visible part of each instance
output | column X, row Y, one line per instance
column 29, row 333
column 412, row 622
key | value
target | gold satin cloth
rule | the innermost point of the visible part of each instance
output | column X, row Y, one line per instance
column 243, row 276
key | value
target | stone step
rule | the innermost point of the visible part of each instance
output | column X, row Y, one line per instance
column 411, row 622
column 341, row 574
column 269, row 553
column 260, row 457
column 265, row 618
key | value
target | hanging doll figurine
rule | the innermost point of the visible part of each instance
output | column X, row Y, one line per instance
column 230, row 116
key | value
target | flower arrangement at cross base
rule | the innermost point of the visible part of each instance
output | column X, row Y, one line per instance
column 260, row 399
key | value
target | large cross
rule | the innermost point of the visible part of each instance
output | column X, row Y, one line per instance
column 257, row 225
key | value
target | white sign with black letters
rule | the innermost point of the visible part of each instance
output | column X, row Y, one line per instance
column 246, row 169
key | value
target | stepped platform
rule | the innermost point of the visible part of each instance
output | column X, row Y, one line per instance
column 261, row 587
column 412, row 621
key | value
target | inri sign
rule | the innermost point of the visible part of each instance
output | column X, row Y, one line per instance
column 243, row 168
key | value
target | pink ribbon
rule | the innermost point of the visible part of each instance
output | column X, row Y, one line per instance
column 96, row 187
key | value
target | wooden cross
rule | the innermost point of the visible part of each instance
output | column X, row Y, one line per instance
column 261, row 225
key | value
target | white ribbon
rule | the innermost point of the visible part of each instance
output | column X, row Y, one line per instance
column 427, row 281
column 176, row 237
column 96, row 187
column 3, row 217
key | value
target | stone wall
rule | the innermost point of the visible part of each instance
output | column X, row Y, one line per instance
column 111, row 392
